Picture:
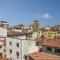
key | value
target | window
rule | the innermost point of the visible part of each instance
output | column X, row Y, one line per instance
column 42, row 36
column 49, row 35
column 7, row 59
column 40, row 50
column 10, row 43
column 10, row 58
column 10, row 51
column 0, row 55
column 39, row 32
column 4, row 50
column 55, row 37
column 37, row 43
column 25, row 56
column 0, row 46
column 55, row 33
column 17, row 44
column 17, row 53
column 49, row 49
column 57, row 50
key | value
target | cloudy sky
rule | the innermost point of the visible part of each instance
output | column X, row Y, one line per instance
column 26, row 11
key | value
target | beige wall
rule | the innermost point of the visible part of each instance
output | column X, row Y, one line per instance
column 3, row 32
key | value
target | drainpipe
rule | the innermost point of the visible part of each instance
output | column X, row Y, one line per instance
column 21, row 49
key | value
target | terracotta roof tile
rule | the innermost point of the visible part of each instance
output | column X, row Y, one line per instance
column 51, row 42
column 4, row 58
column 15, row 33
column 44, row 56
column 10, row 33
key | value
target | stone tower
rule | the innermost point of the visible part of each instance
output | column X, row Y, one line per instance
column 35, row 25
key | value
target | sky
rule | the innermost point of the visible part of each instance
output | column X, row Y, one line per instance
column 47, row 12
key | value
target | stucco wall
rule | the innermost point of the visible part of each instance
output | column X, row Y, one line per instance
column 3, row 32
column 25, row 47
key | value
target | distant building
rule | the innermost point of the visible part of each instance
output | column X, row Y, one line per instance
column 36, row 34
column 3, row 32
column 56, row 27
column 35, row 25
column 58, row 35
column 49, row 34
column 4, row 24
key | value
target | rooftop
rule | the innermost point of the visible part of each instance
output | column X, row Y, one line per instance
column 3, row 21
column 44, row 56
column 51, row 42
column 15, row 33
